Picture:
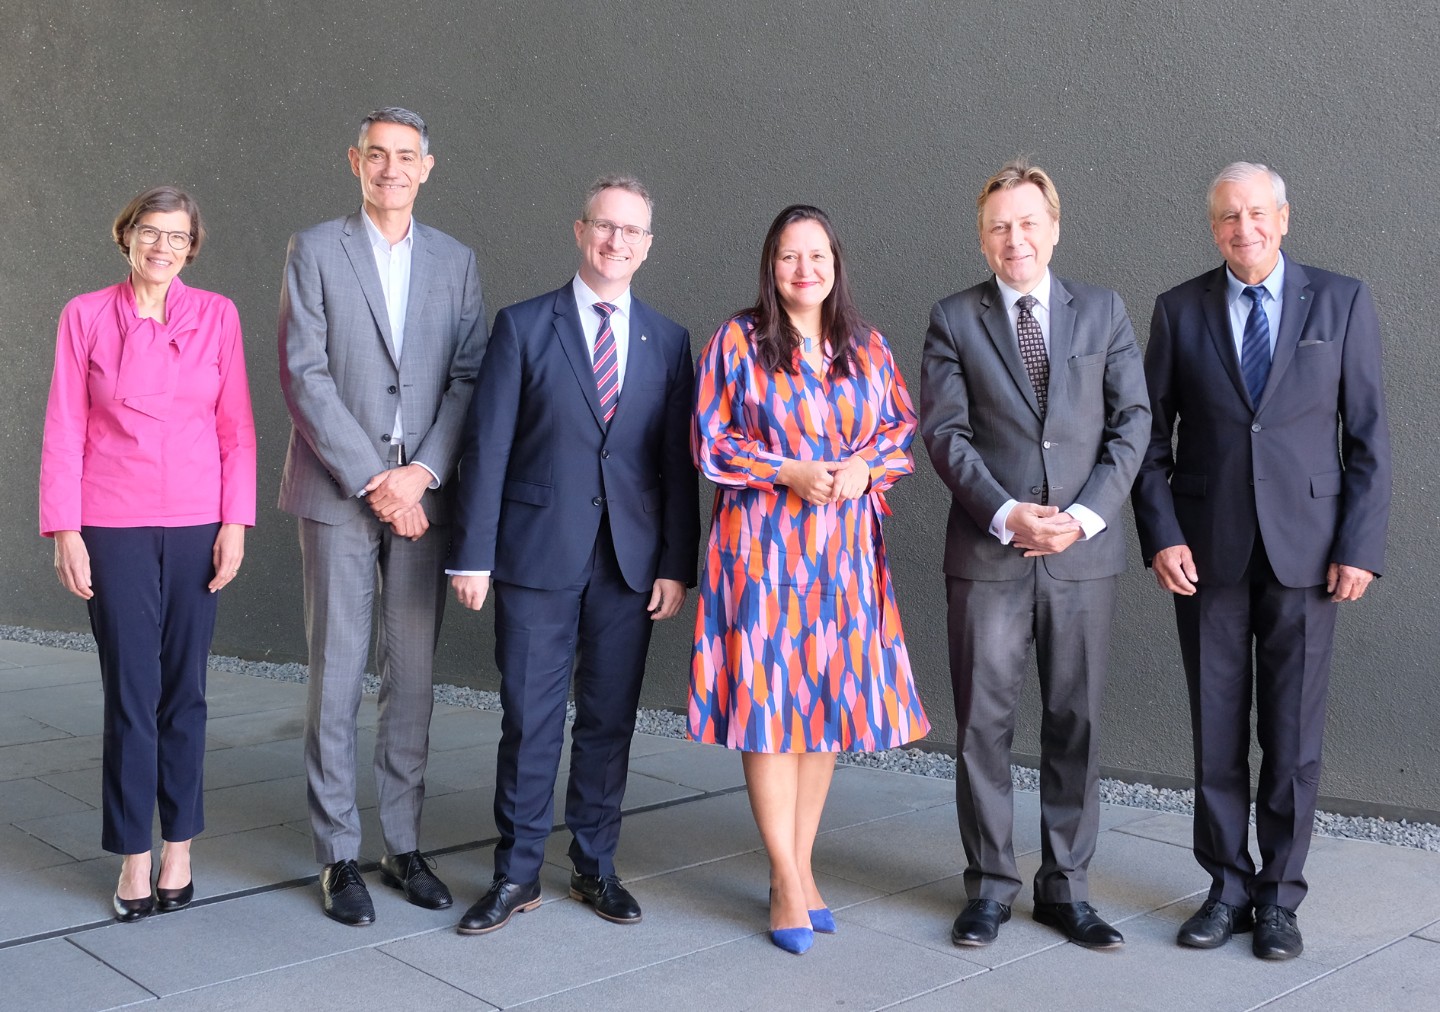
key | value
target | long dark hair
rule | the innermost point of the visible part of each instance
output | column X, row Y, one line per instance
column 775, row 336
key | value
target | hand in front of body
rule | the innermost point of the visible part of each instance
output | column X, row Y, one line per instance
column 666, row 597
column 1175, row 570
column 410, row 523
column 72, row 564
column 226, row 555
column 1346, row 583
column 471, row 591
column 1042, row 530
column 396, row 490
column 812, row 480
column 851, row 479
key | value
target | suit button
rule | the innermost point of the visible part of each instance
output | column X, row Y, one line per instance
column 1046, row 444
column 597, row 501
column 385, row 437
column 604, row 454
column 1034, row 489
column 1255, row 427
column 391, row 389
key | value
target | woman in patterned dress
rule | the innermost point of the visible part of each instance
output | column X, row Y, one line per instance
column 803, row 422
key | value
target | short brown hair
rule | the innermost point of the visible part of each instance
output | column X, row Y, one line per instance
column 160, row 198
column 617, row 181
column 1018, row 172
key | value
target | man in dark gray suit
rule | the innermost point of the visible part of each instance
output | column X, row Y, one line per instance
column 1032, row 399
column 382, row 330
column 1267, row 513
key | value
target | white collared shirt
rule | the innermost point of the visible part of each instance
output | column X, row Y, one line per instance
column 1239, row 305
column 590, row 319
column 1091, row 523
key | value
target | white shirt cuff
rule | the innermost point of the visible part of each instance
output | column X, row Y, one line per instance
column 1089, row 521
column 467, row 572
column 997, row 522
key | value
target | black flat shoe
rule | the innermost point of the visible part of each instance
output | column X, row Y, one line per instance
column 1080, row 923
column 979, row 923
column 346, row 898
column 1212, row 925
column 493, row 910
column 133, row 910
column 411, row 874
column 610, row 899
column 169, row 900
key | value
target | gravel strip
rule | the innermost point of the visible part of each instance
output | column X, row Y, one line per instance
column 1420, row 835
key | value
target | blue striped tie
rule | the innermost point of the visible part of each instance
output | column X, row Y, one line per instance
column 1255, row 347
column 607, row 366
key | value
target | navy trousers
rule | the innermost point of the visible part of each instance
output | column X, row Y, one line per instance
column 598, row 628
column 153, row 619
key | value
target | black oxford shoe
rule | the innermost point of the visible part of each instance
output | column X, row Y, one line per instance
column 979, row 923
column 610, row 899
column 346, row 897
column 1080, row 923
column 1212, row 925
column 493, row 910
column 411, row 874
column 1277, row 934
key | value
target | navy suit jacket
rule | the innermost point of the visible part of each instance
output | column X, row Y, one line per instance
column 540, row 467
column 1308, row 467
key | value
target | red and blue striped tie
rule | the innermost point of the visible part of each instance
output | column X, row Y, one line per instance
column 607, row 366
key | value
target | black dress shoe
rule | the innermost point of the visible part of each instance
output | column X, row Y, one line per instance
column 1277, row 935
column 1212, row 925
column 411, row 874
column 169, row 900
column 979, row 923
column 610, row 899
column 1080, row 923
column 132, row 910
column 347, row 900
column 493, row 910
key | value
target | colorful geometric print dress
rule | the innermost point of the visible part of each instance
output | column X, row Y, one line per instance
column 798, row 646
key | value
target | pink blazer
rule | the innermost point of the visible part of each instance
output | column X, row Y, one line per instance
column 148, row 424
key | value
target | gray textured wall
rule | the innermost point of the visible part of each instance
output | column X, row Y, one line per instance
column 889, row 115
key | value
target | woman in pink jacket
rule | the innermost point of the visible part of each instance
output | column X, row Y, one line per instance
column 147, row 483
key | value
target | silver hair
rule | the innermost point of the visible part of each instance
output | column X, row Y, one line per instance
column 1239, row 172
column 395, row 114
column 615, row 181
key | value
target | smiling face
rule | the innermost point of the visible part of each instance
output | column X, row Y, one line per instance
column 1248, row 226
column 804, row 268
column 157, row 263
column 607, row 263
column 1017, row 235
column 390, row 168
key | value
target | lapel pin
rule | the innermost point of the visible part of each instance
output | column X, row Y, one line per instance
column 642, row 337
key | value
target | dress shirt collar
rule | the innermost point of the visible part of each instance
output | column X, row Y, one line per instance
column 1274, row 283
column 1041, row 292
column 378, row 241
column 586, row 299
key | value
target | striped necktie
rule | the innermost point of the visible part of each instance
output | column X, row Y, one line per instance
column 1255, row 346
column 607, row 366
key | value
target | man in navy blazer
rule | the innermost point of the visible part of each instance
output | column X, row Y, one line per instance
column 578, row 498
column 1270, row 510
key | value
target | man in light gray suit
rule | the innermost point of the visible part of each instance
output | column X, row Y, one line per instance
column 1032, row 399
column 382, row 330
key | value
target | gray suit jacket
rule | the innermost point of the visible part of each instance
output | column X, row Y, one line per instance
column 341, row 377
column 982, row 426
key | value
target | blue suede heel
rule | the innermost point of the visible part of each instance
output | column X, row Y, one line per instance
column 796, row 940
column 823, row 921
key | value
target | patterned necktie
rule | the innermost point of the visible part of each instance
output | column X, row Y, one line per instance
column 1255, row 346
column 1032, row 350
column 607, row 366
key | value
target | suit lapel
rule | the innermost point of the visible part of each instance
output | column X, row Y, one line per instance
column 1217, row 322
column 997, row 324
column 571, row 338
column 421, row 271
column 640, row 360
column 1062, row 337
column 356, row 243
column 1295, row 309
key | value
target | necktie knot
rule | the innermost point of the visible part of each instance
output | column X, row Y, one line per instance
column 1027, row 302
column 1256, row 293
column 605, row 309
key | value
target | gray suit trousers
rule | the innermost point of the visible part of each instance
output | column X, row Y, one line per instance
column 344, row 566
column 992, row 624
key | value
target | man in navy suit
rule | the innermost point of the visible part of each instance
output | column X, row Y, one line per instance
column 578, row 498
column 1269, row 512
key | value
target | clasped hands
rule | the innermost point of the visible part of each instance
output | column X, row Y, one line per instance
column 1042, row 530
column 821, row 482
column 394, row 497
